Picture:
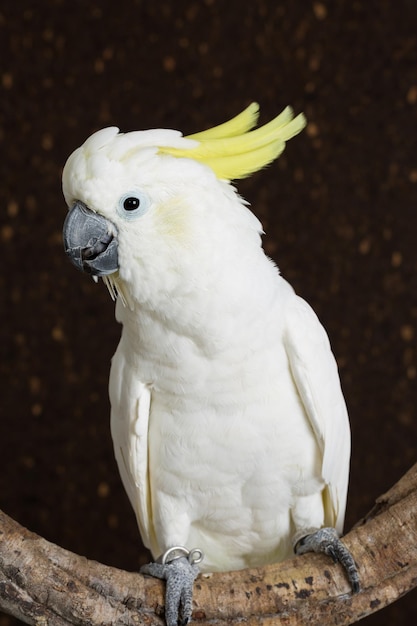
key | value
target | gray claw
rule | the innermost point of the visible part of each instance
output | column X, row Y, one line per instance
column 326, row 540
column 179, row 575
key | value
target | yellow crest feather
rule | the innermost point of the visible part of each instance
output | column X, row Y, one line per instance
column 234, row 151
column 238, row 125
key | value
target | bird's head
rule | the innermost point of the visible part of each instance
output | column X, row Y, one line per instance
column 146, row 206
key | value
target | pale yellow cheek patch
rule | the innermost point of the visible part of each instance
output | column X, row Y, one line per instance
column 172, row 219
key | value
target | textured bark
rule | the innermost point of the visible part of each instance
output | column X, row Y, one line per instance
column 41, row 583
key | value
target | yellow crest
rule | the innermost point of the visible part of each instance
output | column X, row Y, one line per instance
column 234, row 151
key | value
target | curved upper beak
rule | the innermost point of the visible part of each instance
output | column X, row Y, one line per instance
column 90, row 241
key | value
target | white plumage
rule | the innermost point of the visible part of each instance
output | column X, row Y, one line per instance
column 229, row 425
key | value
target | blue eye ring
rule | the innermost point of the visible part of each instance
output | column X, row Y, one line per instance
column 133, row 205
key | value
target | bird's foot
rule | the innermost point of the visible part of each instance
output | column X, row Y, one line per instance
column 327, row 541
column 179, row 567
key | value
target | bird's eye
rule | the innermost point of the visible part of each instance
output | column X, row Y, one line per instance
column 133, row 205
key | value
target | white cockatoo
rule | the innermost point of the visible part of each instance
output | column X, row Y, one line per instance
column 229, row 425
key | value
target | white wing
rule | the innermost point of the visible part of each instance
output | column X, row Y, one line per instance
column 317, row 380
column 130, row 404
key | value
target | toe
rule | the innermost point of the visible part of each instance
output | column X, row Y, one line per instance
column 327, row 541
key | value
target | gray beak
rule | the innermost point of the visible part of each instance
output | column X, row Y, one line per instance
column 90, row 241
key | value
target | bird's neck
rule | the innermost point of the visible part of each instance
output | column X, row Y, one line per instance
column 209, row 316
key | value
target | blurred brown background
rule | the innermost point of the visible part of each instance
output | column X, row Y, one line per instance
column 339, row 210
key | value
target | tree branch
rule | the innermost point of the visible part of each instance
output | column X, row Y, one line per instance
column 41, row 583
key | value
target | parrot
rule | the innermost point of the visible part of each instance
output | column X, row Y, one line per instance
column 229, row 424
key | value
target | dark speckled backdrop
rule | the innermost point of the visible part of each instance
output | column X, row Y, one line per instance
column 339, row 210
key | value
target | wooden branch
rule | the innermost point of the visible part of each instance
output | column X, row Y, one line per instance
column 43, row 584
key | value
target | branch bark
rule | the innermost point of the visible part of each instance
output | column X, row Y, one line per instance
column 43, row 584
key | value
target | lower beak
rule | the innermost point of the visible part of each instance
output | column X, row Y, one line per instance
column 90, row 241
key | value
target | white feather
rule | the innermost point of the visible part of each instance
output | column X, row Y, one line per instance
column 229, row 424
column 316, row 377
column 247, row 428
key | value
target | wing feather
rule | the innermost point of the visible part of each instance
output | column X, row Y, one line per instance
column 316, row 377
column 130, row 406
